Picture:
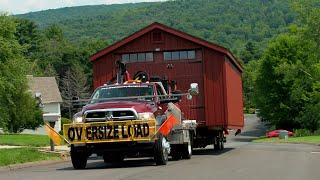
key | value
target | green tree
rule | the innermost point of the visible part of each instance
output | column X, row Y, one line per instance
column 249, row 77
column 18, row 109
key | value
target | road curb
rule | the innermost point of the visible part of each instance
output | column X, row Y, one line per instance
column 304, row 143
column 31, row 164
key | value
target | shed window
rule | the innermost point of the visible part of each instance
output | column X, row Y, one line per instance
column 175, row 55
column 167, row 55
column 133, row 57
column 140, row 57
column 149, row 56
column 183, row 54
column 191, row 54
column 125, row 58
column 179, row 55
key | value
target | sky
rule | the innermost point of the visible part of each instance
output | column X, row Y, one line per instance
column 24, row 6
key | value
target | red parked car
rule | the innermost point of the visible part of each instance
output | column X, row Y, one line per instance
column 275, row 133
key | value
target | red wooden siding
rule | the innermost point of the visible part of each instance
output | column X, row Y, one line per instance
column 233, row 95
column 214, row 89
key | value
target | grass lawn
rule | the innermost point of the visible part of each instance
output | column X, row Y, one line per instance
column 305, row 139
column 22, row 155
column 24, row 140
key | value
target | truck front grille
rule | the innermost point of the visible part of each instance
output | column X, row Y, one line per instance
column 110, row 114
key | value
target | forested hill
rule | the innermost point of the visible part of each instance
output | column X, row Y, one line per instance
column 236, row 24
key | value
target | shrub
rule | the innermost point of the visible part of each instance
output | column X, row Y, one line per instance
column 302, row 132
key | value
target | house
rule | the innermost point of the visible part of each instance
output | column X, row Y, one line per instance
column 47, row 87
column 162, row 51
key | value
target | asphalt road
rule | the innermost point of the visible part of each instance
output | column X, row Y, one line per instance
column 241, row 160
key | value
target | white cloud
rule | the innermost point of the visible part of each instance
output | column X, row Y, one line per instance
column 24, row 6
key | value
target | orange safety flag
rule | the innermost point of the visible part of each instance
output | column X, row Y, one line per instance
column 166, row 126
column 53, row 135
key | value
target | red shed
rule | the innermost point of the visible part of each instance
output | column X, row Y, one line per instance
column 163, row 51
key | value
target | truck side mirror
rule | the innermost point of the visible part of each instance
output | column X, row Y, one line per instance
column 194, row 89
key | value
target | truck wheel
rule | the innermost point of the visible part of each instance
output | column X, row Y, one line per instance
column 161, row 151
column 187, row 149
column 78, row 158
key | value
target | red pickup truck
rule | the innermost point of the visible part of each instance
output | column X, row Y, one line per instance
column 122, row 120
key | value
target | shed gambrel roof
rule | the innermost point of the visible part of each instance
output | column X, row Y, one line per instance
column 48, row 88
column 170, row 30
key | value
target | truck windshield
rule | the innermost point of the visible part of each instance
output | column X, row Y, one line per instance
column 142, row 93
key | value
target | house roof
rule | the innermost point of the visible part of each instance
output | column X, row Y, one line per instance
column 48, row 88
column 170, row 30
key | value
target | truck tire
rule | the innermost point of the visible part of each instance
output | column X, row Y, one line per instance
column 161, row 152
column 78, row 158
column 187, row 149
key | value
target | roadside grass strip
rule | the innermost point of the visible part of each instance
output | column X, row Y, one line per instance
column 299, row 140
column 23, row 155
column 24, row 140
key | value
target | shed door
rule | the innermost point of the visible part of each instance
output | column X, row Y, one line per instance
column 185, row 72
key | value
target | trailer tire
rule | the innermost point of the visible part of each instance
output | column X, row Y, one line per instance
column 161, row 152
column 221, row 144
column 78, row 158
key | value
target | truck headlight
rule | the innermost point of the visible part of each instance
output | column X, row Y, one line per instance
column 145, row 116
column 77, row 118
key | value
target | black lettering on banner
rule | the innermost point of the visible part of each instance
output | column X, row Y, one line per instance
column 79, row 132
column 135, row 130
column 100, row 132
column 129, row 131
column 122, row 132
column 105, row 132
column 94, row 132
column 146, row 129
column 88, row 133
column 116, row 131
column 109, row 128
column 71, row 133
column 139, row 131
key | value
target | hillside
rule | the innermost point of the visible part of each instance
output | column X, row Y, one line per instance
column 232, row 23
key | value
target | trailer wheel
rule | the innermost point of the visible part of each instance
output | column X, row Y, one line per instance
column 221, row 144
column 161, row 151
column 78, row 158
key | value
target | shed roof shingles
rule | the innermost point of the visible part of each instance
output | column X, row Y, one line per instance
column 48, row 88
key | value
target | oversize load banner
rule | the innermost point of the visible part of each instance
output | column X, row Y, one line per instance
column 112, row 131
